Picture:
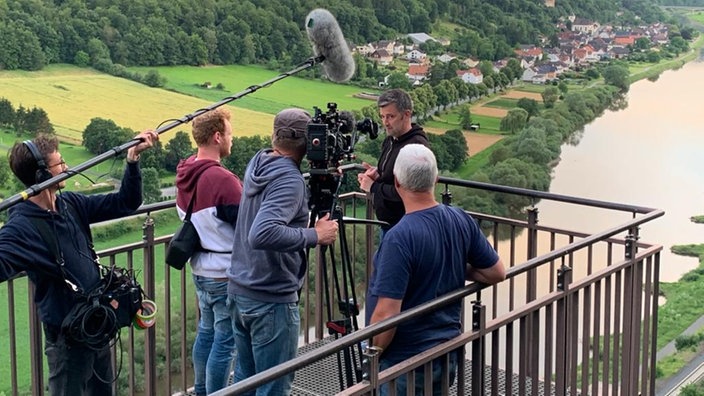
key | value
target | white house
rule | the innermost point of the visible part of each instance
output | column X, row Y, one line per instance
column 416, row 56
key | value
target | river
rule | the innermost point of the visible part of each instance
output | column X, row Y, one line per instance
column 648, row 154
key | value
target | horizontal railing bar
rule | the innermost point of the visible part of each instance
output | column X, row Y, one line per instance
column 545, row 195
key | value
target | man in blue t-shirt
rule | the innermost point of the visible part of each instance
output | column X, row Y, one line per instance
column 429, row 253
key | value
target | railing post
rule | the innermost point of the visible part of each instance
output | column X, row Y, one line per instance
column 447, row 196
column 631, row 314
column 150, row 380
column 319, row 294
column 370, row 368
column 478, row 358
column 531, row 341
column 35, row 344
column 369, row 237
column 562, row 349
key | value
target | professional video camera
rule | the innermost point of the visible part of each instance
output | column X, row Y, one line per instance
column 332, row 137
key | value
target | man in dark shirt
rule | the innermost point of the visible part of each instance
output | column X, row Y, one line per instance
column 396, row 111
column 429, row 253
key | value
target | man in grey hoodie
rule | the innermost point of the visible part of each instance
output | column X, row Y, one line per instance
column 269, row 261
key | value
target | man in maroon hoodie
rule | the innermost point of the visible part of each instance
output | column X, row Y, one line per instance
column 396, row 111
column 217, row 197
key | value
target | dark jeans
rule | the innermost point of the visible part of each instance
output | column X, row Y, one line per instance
column 77, row 370
column 401, row 382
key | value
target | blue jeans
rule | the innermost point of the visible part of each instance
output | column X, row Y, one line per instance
column 214, row 347
column 77, row 370
column 266, row 334
column 401, row 382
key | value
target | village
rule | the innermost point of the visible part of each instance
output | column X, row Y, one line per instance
column 580, row 43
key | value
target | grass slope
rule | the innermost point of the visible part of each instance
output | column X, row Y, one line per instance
column 288, row 92
column 73, row 96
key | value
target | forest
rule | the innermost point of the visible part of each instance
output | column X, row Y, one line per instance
column 108, row 34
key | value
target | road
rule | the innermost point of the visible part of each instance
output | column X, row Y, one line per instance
column 692, row 372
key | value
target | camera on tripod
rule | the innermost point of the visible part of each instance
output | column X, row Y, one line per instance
column 332, row 137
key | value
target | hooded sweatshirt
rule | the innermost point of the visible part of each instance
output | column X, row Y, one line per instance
column 271, row 234
column 22, row 247
column 214, row 212
column 387, row 203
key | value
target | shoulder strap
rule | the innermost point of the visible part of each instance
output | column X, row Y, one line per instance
column 53, row 244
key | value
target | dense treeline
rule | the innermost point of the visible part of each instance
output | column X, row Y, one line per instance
column 103, row 33
column 525, row 159
column 23, row 120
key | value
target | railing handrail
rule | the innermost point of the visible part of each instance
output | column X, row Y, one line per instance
column 367, row 333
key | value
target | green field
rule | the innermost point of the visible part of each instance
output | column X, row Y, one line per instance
column 72, row 96
column 288, row 92
column 503, row 103
column 450, row 120
column 697, row 16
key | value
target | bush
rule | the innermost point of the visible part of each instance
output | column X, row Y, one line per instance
column 688, row 341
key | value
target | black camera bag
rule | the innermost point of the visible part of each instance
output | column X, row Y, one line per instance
column 185, row 241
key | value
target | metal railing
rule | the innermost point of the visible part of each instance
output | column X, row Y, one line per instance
column 577, row 313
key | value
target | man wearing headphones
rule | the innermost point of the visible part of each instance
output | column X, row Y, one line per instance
column 74, row 368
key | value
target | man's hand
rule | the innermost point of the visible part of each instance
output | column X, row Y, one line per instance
column 326, row 230
column 371, row 171
column 147, row 138
column 367, row 178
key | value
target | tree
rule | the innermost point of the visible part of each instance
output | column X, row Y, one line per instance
column 642, row 43
column 18, row 123
column 103, row 134
column 178, row 148
column 151, row 190
column 465, row 117
column 456, row 146
column 617, row 76
column 4, row 173
column 653, row 57
column 399, row 80
column 243, row 149
column 514, row 121
column 153, row 158
column 529, row 105
column 550, row 96
column 37, row 122
column 592, row 73
column 439, row 148
column 7, row 113
column 154, row 79
column 81, row 59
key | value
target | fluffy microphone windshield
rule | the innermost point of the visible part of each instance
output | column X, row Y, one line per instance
column 328, row 41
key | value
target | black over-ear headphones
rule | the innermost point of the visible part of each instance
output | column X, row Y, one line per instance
column 43, row 173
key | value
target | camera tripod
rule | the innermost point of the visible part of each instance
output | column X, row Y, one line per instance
column 338, row 279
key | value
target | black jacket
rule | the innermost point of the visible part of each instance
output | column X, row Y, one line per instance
column 22, row 247
column 387, row 202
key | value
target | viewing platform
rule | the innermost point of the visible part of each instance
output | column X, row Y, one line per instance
column 576, row 315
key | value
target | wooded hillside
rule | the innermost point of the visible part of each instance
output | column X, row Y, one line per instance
column 102, row 33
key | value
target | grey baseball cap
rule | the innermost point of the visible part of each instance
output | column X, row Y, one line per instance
column 291, row 123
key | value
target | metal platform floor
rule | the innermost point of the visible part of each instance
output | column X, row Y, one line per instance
column 322, row 378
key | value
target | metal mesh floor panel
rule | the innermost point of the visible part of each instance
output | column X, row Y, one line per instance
column 322, row 378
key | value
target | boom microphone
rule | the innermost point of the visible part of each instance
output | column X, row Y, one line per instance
column 328, row 42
